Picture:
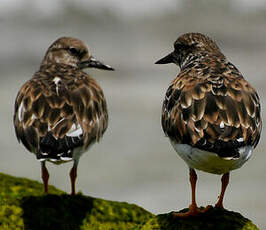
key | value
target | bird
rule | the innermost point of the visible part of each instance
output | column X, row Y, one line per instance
column 61, row 111
column 210, row 113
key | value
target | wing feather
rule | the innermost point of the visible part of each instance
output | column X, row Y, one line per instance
column 215, row 115
column 54, row 120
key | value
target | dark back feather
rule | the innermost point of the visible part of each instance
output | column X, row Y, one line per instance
column 55, row 103
column 212, row 107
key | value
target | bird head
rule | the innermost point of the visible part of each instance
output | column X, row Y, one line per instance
column 189, row 44
column 73, row 52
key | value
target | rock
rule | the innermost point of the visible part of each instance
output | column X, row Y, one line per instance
column 24, row 206
column 213, row 219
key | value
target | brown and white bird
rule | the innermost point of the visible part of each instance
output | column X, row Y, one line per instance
column 210, row 113
column 61, row 111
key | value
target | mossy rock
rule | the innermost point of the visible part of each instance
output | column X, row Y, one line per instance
column 24, row 206
column 214, row 218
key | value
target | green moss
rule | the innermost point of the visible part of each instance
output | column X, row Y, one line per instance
column 23, row 206
column 214, row 218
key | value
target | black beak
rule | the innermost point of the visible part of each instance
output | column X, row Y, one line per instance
column 167, row 59
column 94, row 63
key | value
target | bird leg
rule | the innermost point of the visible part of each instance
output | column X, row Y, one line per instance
column 73, row 176
column 45, row 176
column 225, row 181
column 193, row 208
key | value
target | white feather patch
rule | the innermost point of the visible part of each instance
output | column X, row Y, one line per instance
column 33, row 117
column 66, row 158
column 56, row 80
column 20, row 111
column 211, row 162
column 75, row 131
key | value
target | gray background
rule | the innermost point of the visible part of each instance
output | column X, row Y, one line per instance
column 134, row 162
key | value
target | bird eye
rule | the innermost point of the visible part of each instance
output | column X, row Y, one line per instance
column 74, row 51
column 77, row 52
column 181, row 46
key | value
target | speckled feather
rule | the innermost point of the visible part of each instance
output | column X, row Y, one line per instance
column 59, row 99
column 209, row 105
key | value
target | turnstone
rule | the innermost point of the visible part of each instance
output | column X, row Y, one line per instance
column 210, row 113
column 60, row 112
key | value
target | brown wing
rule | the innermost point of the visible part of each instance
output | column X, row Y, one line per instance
column 217, row 114
column 59, row 110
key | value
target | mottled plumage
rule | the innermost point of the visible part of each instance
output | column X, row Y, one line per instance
column 61, row 111
column 210, row 112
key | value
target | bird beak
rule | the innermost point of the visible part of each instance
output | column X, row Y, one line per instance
column 94, row 63
column 167, row 59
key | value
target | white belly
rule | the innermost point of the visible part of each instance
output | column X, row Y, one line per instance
column 211, row 162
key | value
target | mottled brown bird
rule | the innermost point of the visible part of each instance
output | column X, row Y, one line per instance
column 210, row 113
column 61, row 111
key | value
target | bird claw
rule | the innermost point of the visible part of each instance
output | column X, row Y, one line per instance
column 193, row 211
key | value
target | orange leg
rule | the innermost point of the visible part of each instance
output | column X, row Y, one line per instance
column 193, row 208
column 225, row 181
column 73, row 176
column 45, row 176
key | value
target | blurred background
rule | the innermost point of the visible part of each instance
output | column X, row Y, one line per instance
column 134, row 162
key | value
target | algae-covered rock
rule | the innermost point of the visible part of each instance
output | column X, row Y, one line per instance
column 213, row 219
column 24, row 206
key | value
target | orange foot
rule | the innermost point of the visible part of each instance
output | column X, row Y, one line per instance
column 193, row 211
